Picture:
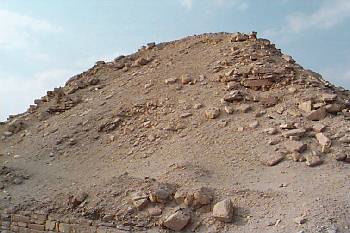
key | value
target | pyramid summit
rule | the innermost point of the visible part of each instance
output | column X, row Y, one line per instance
column 219, row 132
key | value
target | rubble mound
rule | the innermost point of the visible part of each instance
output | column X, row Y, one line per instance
column 218, row 132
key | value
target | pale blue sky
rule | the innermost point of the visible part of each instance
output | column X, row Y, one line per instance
column 43, row 43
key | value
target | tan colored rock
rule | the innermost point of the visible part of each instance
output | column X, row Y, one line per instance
column 271, row 131
column 155, row 211
column 170, row 80
column 244, row 108
column 318, row 127
column 323, row 140
column 202, row 196
column 232, row 86
column 274, row 160
column 295, row 146
column 306, row 106
column 292, row 90
column 313, row 160
column 333, row 108
column 297, row 157
column 177, row 221
column 254, row 124
column 294, row 132
column 212, row 113
column 141, row 61
column 139, row 200
column 287, row 126
column 186, row 79
column 317, row 115
column 329, row 97
column 223, row 211
column 233, row 96
column 229, row 109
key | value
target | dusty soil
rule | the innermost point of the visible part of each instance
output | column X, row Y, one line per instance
column 143, row 121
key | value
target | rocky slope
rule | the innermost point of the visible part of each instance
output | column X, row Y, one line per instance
column 211, row 133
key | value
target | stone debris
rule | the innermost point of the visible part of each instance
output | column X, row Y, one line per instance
column 223, row 211
column 212, row 113
column 186, row 79
column 306, row 106
column 271, row 131
column 297, row 157
column 300, row 220
column 318, row 127
column 170, row 80
column 329, row 97
column 139, row 200
column 254, row 124
column 274, row 160
column 313, row 160
column 317, row 115
column 295, row 146
column 333, row 108
column 229, row 109
column 177, row 221
column 323, row 140
column 294, row 132
column 143, row 111
column 244, row 108
column 233, row 96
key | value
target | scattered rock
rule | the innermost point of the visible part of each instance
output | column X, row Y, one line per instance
column 329, row 97
column 297, row 157
column 274, row 160
column 170, row 80
column 340, row 157
column 295, row 146
column 300, row 220
column 223, row 211
column 271, row 131
column 306, row 106
column 185, row 114
column 244, row 108
column 318, row 127
column 323, row 140
column 233, row 96
column 139, row 200
column 197, row 106
column 177, row 221
column 334, row 108
column 229, row 109
column 156, row 211
column 141, row 61
column 7, row 134
column 254, row 124
column 345, row 139
column 212, row 113
column 317, row 115
column 294, row 132
column 313, row 160
column 186, row 79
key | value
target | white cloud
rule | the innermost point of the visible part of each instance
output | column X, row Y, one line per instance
column 17, row 93
column 187, row 3
column 238, row 4
column 327, row 15
column 20, row 31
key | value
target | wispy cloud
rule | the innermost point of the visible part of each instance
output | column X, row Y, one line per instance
column 19, row 31
column 187, row 3
column 238, row 4
column 17, row 92
column 329, row 14
column 326, row 16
